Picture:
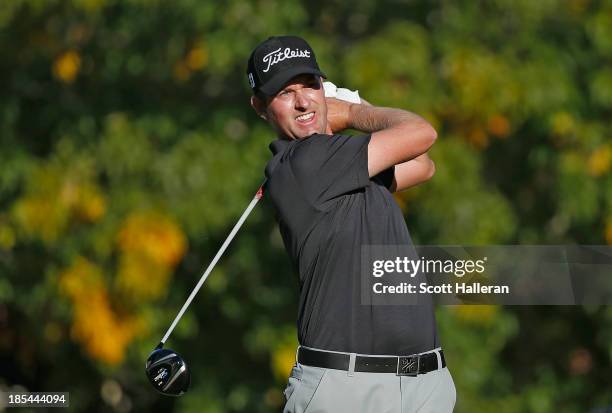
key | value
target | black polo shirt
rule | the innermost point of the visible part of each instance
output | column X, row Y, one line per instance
column 327, row 208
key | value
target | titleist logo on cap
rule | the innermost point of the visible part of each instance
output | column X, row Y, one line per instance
column 278, row 59
column 277, row 56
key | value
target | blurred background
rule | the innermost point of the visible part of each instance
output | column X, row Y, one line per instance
column 128, row 150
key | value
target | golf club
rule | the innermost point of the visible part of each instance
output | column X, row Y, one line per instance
column 166, row 369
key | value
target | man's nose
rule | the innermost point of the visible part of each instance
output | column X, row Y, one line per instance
column 301, row 100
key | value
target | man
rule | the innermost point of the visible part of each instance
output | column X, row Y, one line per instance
column 332, row 194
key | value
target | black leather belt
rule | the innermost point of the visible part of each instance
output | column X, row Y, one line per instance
column 400, row 365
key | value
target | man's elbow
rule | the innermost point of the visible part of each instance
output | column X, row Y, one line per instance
column 430, row 136
column 419, row 140
column 428, row 169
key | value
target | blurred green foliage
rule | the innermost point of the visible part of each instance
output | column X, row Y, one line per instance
column 128, row 150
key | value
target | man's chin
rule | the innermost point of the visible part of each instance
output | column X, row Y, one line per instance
column 309, row 132
column 301, row 133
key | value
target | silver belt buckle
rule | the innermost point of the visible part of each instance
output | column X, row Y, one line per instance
column 408, row 366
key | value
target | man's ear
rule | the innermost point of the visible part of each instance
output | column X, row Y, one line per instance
column 259, row 106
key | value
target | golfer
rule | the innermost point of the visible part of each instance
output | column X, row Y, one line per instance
column 332, row 194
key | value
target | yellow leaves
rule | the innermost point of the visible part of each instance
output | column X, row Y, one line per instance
column 196, row 59
column 141, row 278
column 151, row 245
column 81, row 278
column 42, row 212
column 103, row 333
column 600, row 161
column 479, row 130
column 154, row 235
column 55, row 197
column 282, row 345
column 66, row 66
column 41, row 216
column 499, row 126
column 92, row 207
column 479, row 133
column 478, row 138
column 476, row 314
column 84, row 200
column 283, row 359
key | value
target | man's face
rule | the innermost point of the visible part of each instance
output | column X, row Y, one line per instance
column 299, row 109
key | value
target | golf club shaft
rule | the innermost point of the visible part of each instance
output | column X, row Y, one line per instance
column 212, row 264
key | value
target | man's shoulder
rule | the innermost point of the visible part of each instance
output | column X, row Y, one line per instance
column 311, row 151
column 320, row 140
column 323, row 137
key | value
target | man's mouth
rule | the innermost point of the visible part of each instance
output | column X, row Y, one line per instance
column 305, row 118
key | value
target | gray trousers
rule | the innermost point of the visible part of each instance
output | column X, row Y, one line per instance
column 319, row 390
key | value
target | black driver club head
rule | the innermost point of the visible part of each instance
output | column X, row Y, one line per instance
column 167, row 372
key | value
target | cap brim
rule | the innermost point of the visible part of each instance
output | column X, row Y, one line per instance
column 277, row 82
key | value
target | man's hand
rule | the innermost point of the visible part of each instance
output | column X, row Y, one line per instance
column 338, row 112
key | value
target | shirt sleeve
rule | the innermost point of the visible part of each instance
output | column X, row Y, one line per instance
column 327, row 166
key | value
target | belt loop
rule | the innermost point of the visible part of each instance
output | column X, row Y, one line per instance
column 439, row 358
column 297, row 352
column 351, row 369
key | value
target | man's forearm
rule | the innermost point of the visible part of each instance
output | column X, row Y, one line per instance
column 373, row 118
column 397, row 136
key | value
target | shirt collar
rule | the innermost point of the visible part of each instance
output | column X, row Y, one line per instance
column 279, row 145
